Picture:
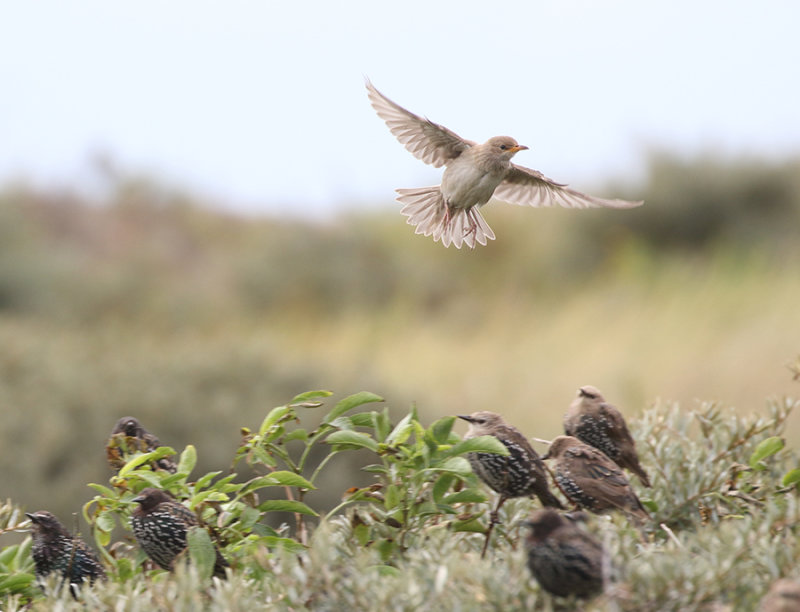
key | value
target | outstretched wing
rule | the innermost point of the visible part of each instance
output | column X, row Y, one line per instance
column 432, row 143
column 528, row 187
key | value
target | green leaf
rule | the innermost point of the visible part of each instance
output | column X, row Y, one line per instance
column 392, row 497
column 159, row 453
column 386, row 570
column 467, row 496
column 650, row 505
column 351, row 402
column 472, row 525
column 104, row 491
column 105, row 521
column 352, row 439
column 401, row 431
column 201, row 551
column 248, row 518
column 454, row 465
column 203, row 481
column 441, row 429
column 766, row 448
column 297, row 434
column 273, row 416
column 382, row 424
column 442, row 486
column 287, row 544
column 791, row 477
column 309, row 395
column 481, row 444
column 286, row 505
column 289, row 479
column 188, row 460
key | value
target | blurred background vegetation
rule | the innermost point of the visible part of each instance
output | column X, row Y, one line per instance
column 149, row 301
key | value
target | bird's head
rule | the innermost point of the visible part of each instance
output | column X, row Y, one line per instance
column 44, row 522
column 544, row 522
column 590, row 392
column 560, row 445
column 482, row 423
column 129, row 426
column 148, row 499
column 505, row 147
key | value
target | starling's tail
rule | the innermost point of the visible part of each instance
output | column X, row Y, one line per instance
column 426, row 209
column 547, row 498
column 640, row 474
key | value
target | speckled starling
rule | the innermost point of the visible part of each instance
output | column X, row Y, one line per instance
column 520, row 474
column 56, row 550
column 160, row 525
column 783, row 596
column 128, row 437
column 564, row 559
column 591, row 480
column 598, row 424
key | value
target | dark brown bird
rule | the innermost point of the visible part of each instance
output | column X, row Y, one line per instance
column 129, row 437
column 160, row 525
column 599, row 424
column 56, row 550
column 783, row 596
column 591, row 480
column 564, row 559
column 520, row 474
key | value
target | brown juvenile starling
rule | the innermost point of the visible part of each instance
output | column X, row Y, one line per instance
column 563, row 558
column 783, row 596
column 56, row 550
column 473, row 174
column 128, row 437
column 520, row 474
column 591, row 480
column 160, row 525
column 598, row 424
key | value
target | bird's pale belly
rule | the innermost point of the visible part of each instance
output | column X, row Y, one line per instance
column 464, row 186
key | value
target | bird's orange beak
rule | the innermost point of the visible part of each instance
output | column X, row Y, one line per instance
column 516, row 148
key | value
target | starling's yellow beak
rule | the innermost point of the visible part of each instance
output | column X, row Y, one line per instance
column 516, row 148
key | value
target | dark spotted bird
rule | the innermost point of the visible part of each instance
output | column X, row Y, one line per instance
column 160, row 525
column 591, row 480
column 599, row 424
column 783, row 596
column 564, row 559
column 56, row 550
column 520, row 474
column 129, row 437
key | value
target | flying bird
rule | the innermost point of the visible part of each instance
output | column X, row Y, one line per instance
column 473, row 174
column 597, row 423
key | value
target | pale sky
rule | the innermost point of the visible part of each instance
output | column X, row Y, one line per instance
column 261, row 105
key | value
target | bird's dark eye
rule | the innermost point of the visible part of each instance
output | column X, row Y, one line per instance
column 480, row 421
column 503, row 147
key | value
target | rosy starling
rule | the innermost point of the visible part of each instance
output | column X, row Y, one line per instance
column 591, row 480
column 521, row 473
column 563, row 558
column 160, row 525
column 598, row 424
column 56, row 550
column 128, row 437
column 473, row 174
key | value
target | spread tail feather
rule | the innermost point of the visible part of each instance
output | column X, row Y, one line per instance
column 426, row 209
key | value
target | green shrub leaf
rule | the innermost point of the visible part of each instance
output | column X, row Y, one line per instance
column 766, row 448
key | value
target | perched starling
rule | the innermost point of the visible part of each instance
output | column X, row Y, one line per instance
column 520, row 474
column 598, row 424
column 783, row 596
column 56, row 550
column 160, row 525
column 591, row 480
column 563, row 558
column 128, row 437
